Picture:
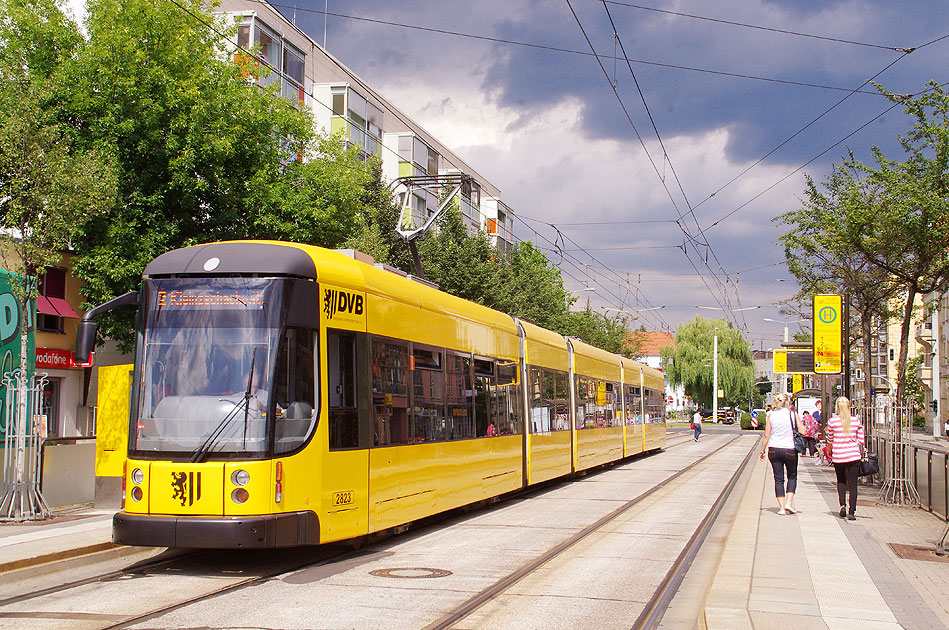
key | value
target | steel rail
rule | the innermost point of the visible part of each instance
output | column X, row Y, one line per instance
column 487, row 594
column 656, row 607
column 136, row 569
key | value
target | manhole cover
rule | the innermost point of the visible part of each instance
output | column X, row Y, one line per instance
column 410, row 573
column 917, row 552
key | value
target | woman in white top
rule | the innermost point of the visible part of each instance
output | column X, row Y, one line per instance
column 778, row 442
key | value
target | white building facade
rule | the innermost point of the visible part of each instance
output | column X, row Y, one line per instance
column 344, row 104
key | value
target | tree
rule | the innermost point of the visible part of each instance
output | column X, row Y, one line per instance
column 46, row 183
column 689, row 361
column 823, row 260
column 610, row 334
column 529, row 286
column 902, row 227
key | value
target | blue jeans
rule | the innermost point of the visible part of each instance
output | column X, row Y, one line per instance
column 780, row 459
column 698, row 431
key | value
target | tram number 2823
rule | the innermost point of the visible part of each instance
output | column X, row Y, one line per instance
column 343, row 498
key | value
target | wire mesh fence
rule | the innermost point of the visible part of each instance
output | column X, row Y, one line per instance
column 889, row 434
column 22, row 499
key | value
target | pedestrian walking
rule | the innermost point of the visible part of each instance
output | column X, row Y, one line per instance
column 946, row 427
column 844, row 441
column 813, row 429
column 778, row 442
column 697, row 424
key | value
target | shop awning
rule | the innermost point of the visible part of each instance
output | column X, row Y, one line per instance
column 55, row 306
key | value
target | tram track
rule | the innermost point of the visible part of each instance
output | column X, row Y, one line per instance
column 155, row 568
column 652, row 613
column 348, row 553
column 193, row 562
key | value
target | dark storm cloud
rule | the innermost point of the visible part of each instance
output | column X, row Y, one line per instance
column 760, row 114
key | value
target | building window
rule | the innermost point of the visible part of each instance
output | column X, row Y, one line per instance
column 293, row 74
column 52, row 285
column 432, row 162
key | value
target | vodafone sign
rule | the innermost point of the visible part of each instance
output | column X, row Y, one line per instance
column 51, row 358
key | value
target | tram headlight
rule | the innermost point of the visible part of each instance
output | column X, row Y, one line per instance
column 136, row 493
column 137, row 476
column 240, row 477
column 240, row 495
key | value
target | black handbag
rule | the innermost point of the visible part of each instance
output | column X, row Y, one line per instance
column 798, row 438
column 869, row 464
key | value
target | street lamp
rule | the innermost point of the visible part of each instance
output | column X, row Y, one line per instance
column 733, row 310
column 632, row 310
column 781, row 321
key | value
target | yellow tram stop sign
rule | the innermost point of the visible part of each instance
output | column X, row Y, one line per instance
column 828, row 349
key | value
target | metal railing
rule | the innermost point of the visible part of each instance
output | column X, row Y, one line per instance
column 888, row 431
column 21, row 499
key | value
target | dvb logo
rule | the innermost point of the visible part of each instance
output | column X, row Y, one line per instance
column 336, row 301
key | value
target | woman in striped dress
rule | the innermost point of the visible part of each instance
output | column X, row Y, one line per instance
column 844, row 437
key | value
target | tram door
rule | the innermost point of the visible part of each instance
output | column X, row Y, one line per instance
column 345, row 471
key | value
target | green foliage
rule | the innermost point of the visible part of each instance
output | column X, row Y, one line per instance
column 47, row 183
column 885, row 221
column 689, row 362
column 746, row 423
column 914, row 395
column 599, row 330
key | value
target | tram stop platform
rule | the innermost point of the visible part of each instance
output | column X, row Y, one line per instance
column 815, row 570
column 72, row 534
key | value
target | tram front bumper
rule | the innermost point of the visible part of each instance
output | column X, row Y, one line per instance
column 290, row 529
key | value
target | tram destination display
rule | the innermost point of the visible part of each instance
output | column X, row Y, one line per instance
column 210, row 299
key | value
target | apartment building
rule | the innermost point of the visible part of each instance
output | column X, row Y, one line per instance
column 413, row 160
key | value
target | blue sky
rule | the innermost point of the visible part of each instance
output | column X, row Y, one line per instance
column 745, row 96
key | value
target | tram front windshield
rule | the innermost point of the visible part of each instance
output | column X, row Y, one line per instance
column 207, row 357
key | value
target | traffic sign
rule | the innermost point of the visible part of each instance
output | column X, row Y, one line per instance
column 828, row 349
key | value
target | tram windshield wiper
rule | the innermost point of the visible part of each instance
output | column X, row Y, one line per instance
column 199, row 453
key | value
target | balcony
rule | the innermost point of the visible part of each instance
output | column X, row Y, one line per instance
column 924, row 335
column 924, row 376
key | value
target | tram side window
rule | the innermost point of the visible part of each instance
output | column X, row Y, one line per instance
column 586, row 402
column 486, row 411
column 460, row 420
column 428, row 395
column 549, row 401
column 634, row 405
column 655, row 411
column 561, row 400
column 612, row 410
column 390, row 402
column 343, row 414
column 294, row 389
column 510, row 399
column 540, row 405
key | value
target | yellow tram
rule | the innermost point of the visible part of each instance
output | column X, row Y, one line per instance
column 290, row 395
